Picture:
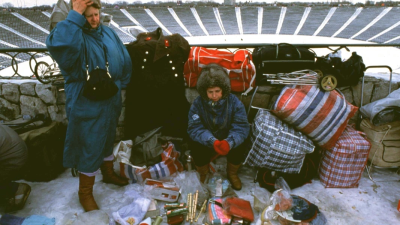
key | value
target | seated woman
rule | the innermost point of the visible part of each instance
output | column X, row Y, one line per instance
column 217, row 124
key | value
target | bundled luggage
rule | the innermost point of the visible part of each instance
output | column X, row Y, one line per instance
column 385, row 141
column 276, row 145
column 239, row 66
column 343, row 165
column 281, row 58
column 322, row 116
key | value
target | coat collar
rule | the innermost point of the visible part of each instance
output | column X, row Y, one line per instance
column 218, row 103
column 87, row 29
column 163, row 45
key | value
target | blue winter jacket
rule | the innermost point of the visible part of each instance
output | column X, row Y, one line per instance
column 225, row 119
column 92, row 124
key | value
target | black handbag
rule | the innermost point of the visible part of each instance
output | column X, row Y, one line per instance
column 99, row 84
column 281, row 58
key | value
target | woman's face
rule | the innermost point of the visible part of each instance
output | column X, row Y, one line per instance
column 93, row 16
column 214, row 93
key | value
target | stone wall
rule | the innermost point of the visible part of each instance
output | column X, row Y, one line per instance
column 26, row 97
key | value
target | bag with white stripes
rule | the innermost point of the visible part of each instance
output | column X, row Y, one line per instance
column 276, row 145
column 239, row 66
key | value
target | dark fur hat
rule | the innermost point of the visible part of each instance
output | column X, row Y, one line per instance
column 213, row 75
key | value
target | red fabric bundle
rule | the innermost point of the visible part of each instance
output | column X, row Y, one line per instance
column 238, row 207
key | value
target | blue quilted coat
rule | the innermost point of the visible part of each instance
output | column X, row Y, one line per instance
column 92, row 124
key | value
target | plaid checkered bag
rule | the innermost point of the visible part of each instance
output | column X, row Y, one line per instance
column 343, row 165
column 320, row 115
column 169, row 165
column 276, row 145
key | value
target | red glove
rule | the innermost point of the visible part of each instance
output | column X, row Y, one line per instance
column 221, row 147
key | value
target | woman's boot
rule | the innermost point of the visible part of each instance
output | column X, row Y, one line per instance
column 232, row 173
column 109, row 176
column 203, row 171
column 86, row 192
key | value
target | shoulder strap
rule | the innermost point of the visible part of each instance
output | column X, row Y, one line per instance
column 87, row 61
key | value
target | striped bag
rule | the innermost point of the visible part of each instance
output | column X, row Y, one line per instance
column 320, row 115
column 343, row 165
column 169, row 165
column 239, row 66
column 276, row 145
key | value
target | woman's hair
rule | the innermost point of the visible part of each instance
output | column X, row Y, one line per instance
column 213, row 75
column 96, row 4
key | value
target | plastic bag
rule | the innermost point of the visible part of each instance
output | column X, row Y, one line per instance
column 168, row 166
column 134, row 212
column 188, row 182
column 261, row 198
column 281, row 198
column 219, row 186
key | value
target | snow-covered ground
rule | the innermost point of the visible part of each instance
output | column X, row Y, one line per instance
column 369, row 204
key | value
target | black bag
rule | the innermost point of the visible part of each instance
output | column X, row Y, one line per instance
column 347, row 73
column 281, row 58
column 351, row 71
column 45, row 152
column 99, row 85
column 266, row 178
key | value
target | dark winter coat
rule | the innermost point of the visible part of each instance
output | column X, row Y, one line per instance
column 92, row 124
column 156, row 94
column 224, row 119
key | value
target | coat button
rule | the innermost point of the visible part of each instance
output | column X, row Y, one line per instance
column 142, row 67
column 173, row 68
column 176, row 75
column 147, row 52
column 167, row 54
column 144, row 60
column 170, row 61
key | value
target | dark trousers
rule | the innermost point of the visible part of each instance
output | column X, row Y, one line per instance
column 202, row 154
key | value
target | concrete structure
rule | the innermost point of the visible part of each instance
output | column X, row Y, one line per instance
column 229, row 2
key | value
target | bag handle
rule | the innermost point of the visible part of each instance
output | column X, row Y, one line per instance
column 148, row 137
column 283, row 44
column 87, row 62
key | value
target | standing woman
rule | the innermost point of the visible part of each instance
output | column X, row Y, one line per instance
column 73, row 43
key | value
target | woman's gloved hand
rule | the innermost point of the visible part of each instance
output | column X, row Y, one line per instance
column 221, row 147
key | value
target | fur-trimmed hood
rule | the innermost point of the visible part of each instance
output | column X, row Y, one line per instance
column 213, row 75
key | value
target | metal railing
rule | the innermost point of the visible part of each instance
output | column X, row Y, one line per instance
column 34, row 55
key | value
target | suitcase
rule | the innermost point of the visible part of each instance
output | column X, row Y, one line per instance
column 385, row 140
column 343, row 165
column 239, row 66
column 281, row 58
column 276, row 145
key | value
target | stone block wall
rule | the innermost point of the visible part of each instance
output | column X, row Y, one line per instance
column 30, row 97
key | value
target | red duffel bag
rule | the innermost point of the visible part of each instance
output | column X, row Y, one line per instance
column 240, row 68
